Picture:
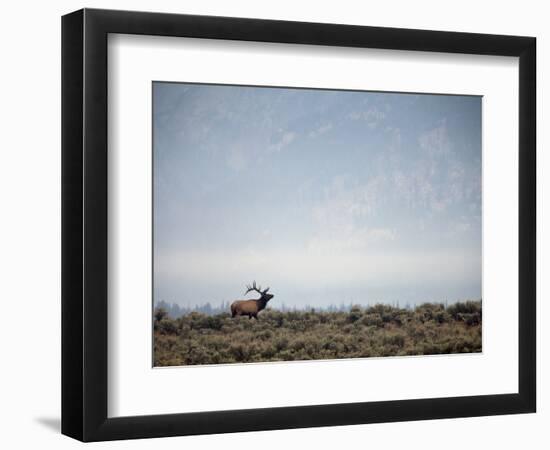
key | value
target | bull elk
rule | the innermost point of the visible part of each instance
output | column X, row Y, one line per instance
column 251, row 308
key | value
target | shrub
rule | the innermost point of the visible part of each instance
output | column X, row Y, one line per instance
column 442, row 316
column 469, row 307
column 355, row 314
column 167, row 326
column 394, row 339
column 281, row 343
column 213, row 322
column 380, row 330
column 372, row 319
column 159, row 314
column 470, row 318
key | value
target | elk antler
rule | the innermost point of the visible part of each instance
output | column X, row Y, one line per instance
column 258, row 289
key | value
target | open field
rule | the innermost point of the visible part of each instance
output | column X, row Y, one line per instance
column 380, row 330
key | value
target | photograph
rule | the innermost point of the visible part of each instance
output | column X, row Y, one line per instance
column 294, row 224
column 343, row 207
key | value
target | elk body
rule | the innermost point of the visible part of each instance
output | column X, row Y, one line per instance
column 251, row 308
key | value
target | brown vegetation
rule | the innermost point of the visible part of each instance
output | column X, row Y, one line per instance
column 380, row 330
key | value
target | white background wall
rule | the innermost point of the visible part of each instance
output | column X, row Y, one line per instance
column 30, row 229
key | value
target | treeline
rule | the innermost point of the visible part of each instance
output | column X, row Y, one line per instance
column 175, row 311
column 379, row 330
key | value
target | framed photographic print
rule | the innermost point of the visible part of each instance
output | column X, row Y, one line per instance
column 272, row 224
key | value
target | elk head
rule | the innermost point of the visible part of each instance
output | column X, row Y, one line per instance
column 265, row 297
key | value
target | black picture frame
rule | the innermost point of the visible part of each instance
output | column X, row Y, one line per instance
column 84, row 224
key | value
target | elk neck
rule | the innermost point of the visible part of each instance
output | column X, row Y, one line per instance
column 262, row 302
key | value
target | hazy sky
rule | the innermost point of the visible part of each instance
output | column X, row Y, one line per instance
column 328, row 197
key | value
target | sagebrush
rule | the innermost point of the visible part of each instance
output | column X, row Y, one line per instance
column 380, row 330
